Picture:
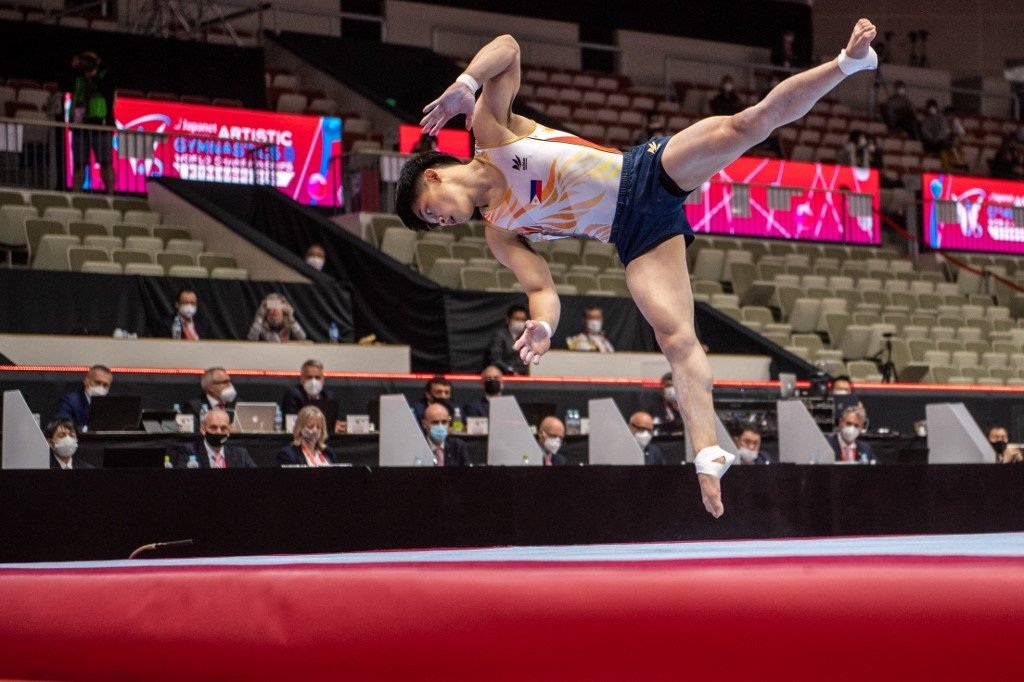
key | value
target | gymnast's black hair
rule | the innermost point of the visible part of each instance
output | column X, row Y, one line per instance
column 411, row 185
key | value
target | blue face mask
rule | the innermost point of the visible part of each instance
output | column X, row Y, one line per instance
column 438, row 433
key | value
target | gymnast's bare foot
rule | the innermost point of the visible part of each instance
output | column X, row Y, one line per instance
column 860, row 41
column 711, row 494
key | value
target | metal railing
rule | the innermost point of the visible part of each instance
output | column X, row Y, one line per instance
column 368, row 180
column 36, row 154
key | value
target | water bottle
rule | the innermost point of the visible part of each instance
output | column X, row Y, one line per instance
column 333, row 333
column 168, row 464
column 526, row 460
column 457, row 420
column 418, row 461
column 572, row 422
column 176, row 328
column 278, row 420
column 176, row 407
column 193, row 463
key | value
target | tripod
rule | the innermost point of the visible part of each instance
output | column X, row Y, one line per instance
column 889, row 374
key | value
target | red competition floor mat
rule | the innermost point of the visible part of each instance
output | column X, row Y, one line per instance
column 917, row 607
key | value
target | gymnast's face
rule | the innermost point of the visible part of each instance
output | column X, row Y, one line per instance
column 444, row 201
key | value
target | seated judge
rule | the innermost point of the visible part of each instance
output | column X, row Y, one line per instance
column 846, row 443
column 63, row 441
column 437, row 390
column 447, row 451
column 309, row 441
column 75, row 405
column 748, row 443
column 310, row 387
column 211, row 450
column 186, row 322
column 550, row 435
column 218, row 391
column 641, row 425
column 494, row 383
column 501, row 352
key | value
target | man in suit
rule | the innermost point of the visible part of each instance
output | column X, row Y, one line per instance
column 665, row 409
column 448, row 452
column 641, row 425
column 748, row 440
column 500, row 351
column 212, row 450
column 437, row 390
column 494, row 383
column 63, row 441
column 218, row 391
column 310, row 387
column 592, row 339
column 191, row 325
column 550, row 435
column 846, row 443
column 75, row 405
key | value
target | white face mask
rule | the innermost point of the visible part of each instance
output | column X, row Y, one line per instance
column 66, row 446
column 229, row 394
column 922, row 431
column 594, row 326
column 747, row 456
column 315, row 262
column 517, row 328
column 643, row 438
column 310, row 435
column 187, row 311
column 96, row 391
column 849, row 434
column 727, row 87
column 669, row 394
column 552, row 445
column 313, row 387
column 841, row 391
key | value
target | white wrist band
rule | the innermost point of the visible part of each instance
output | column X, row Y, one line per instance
column 850, row 66
column 469, row 82
column 547, row 327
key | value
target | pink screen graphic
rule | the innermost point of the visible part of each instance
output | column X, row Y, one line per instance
column 449, row 140
column 789, row 200
column 982, row 217
column 295, row 153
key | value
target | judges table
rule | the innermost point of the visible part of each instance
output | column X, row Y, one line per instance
column 54, row 350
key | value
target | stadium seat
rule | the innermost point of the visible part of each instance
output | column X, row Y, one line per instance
column 169, row 232
column 108, row 244
column 104, row 216
column 229, row 273
column 212, row 261
column 12, row 227
column 125, row 230
column 64, row 215
column 83, row 203
column 102, row 268
column 168, row 259
column 143, row 268
column 477, row 279
column 84, row 229
column 149, row 244
column 37, row 228
column 136, row 217
column 52, row 252
column 447, row 271
column 45, row 200
column 187, row 271
column 193, row 247
column 79, row 255
column 128, row 256
column 400, row 244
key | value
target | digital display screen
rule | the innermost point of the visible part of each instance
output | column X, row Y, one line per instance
column 449, row 140
column 964, row 213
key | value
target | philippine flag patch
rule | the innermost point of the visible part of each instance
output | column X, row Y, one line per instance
column 536, row 191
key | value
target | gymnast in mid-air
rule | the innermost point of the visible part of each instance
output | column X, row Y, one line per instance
column 534, row 183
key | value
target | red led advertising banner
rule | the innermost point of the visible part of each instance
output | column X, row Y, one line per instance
column 224, row 144
column 449, row 140
column 755, row 197
column 973, row 214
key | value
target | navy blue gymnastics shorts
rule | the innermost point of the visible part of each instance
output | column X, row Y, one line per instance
column 650, row 205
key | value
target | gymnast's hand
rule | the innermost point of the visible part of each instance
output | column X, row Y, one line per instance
column 457, row 99
column 534, row 342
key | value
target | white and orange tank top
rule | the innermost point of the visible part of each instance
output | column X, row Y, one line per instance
column 557, row 185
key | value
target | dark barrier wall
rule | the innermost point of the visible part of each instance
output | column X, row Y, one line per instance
column 184, row 67
column 47, row 302
column 105, row 514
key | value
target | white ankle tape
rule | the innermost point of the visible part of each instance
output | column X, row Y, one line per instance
column 850, row 66
column 706, row 464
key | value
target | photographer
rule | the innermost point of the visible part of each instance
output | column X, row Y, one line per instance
column 92, row 101
column 275, row 322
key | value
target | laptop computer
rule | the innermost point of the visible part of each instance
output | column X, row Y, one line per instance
column 133, row 458
column 115, row 413
column 255, row 417
column 330, row 410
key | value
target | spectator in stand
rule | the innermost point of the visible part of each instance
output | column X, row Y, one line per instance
column 956, row 126
column 1006, row 453
column 641, row 425
column 855, row 152
column 309, row 441
column 726, row 102
column 665, row 409
column 92, row 101
column 275, row 322
column 898, row 112
column 211, row 450
column 785, row 53
column 846, row 443
column 550, row 435
column 450, row 452
column 437, row 390
column 654, row 127
column 954, row 156
column 63, row 441
column 75, row 405
column 1008, row 163
column 310, row 387
column 934, row 128
column 426, row 143
column 494, row 383
column 315, row 256
column 218, row 392
column 748, row 442
column 186, row 322
column 592, row 338
column 501, row 353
